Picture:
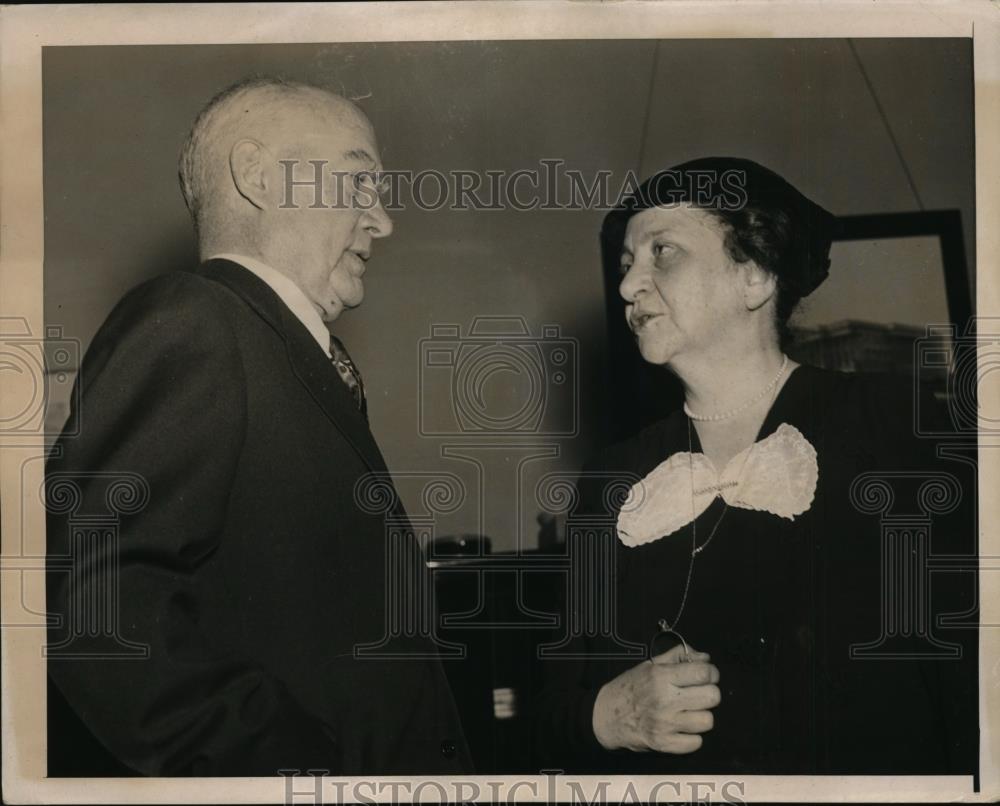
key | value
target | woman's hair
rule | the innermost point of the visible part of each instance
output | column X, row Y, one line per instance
column 765, row 218
column 763, row 236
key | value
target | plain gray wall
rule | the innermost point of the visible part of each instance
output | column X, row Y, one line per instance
column 115, row 117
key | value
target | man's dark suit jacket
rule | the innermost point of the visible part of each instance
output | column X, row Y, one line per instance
column 249, row 572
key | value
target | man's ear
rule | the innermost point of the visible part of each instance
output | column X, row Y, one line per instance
column 758, row 285
column 246, row 164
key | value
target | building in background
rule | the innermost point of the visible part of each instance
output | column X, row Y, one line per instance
column 852, row 345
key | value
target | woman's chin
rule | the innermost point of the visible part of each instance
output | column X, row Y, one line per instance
column 657, row 354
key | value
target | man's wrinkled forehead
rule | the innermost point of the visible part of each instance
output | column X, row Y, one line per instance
column 329, row 126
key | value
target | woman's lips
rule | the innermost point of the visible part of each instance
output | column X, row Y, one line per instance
column 639, row 321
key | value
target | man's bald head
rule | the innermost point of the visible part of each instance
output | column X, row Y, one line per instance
column 269, row 110
column 238, row 170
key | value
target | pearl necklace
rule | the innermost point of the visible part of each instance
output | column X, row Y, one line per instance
column 709, row 418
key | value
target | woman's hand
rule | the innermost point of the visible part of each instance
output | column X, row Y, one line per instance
column 661, row 704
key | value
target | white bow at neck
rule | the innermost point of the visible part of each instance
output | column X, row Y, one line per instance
column 776, row 475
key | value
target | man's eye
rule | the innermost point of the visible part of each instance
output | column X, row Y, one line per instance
column 376, row 184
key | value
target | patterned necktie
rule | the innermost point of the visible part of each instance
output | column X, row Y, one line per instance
column 348, row 373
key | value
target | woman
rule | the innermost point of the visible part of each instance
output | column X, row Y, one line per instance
column 740, row 559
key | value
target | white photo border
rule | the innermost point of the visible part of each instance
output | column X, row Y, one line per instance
column 25, row 30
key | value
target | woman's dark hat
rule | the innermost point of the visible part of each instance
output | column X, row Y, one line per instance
column 733, row 187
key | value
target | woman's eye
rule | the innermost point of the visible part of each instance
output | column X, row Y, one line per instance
column 623, row 268
column 661, row 249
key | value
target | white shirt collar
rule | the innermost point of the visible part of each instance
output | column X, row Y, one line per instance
column 294, row 298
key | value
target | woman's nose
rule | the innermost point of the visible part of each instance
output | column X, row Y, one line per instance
column 631, row 283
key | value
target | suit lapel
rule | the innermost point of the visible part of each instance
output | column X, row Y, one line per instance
column 308, row 362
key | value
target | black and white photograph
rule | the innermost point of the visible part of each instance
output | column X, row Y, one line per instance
column 477, row 402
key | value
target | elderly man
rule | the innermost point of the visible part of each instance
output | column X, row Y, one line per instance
column 245, row 569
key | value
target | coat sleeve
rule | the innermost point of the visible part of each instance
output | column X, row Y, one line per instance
column 572, row 676
column 943, row 688
column 934, row 449
column 163, row 416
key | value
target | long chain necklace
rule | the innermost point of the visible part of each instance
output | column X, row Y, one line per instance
column 670, row 628
column 711, row 418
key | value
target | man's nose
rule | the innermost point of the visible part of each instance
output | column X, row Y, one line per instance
column 377, row 221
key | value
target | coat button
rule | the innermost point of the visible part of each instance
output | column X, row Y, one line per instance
column 448, row 748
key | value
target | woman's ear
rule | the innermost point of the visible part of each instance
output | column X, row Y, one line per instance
column 246, row 164
column 759, row 285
